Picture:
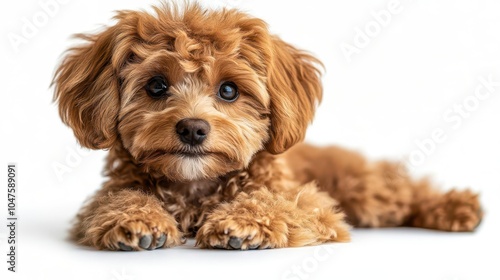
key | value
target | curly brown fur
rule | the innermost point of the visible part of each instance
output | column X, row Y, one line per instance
column 232, row 189
column 381, row 194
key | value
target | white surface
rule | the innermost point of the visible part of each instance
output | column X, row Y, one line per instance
column 393, row 93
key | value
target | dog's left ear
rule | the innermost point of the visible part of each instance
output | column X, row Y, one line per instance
column 293, row 82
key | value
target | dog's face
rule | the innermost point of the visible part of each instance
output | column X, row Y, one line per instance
column 191, row 95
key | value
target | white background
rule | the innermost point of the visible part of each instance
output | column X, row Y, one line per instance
column 390, row 95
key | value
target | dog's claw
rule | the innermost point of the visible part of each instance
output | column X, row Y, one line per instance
column 161, row 241
column 235, row 242
column 253, row 247
column 124, row 247
column 145, row 241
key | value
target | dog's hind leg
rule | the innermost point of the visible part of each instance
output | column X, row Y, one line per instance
column 386, row 196
column 382, row 194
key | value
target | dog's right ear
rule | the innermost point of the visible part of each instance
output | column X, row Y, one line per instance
column 87, row 89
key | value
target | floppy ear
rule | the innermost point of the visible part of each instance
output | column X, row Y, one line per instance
column 293, row 82
column 86, row 90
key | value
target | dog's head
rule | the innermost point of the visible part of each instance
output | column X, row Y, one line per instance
column 190, row 93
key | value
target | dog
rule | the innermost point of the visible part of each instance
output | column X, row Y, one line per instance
column 203, row 113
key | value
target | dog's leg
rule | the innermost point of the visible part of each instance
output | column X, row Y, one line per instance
column 376, row 196
column 450, row 211
column 384, row 195
column 264, row 219
column 125, row 220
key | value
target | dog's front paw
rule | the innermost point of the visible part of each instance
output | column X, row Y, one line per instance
column 262, row 220
column 142, row 224
column 243, row 232
column 248, row 222
column 141, row 234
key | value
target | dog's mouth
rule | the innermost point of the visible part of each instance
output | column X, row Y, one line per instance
column 159, row 153
column 192, row 154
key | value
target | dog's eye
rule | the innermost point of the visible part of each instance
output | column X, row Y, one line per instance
column 228, row 91
column 157, row 87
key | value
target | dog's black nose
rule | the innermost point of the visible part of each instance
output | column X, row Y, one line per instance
column 192, row 131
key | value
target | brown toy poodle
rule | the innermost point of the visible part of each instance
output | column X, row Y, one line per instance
column 202, row 112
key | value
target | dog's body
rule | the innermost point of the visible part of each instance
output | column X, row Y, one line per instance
column 201, row 112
